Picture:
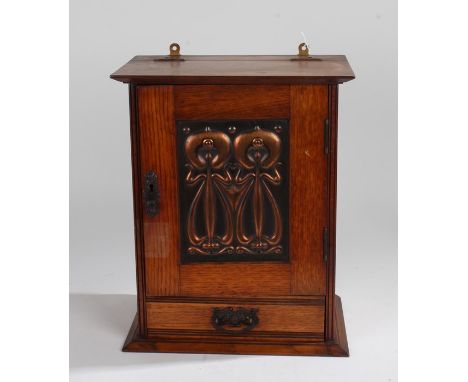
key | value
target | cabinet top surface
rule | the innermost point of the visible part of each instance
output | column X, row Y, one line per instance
column 200, row 70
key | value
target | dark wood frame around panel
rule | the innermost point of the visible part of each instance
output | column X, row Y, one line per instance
column 157, row 150
column 308, row 178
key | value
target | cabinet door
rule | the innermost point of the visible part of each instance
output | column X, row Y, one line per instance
column 234, row 185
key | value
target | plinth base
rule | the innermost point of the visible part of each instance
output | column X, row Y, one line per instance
column 338, row 347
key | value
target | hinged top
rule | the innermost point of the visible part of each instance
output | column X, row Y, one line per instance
column 204, row 70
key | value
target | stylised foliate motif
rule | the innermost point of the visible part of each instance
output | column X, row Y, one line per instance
column 207, row 153
column 234, row 190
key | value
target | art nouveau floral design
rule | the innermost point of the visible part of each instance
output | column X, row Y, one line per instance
column 233, row 209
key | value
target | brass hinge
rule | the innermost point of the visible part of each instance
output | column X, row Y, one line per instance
column 326, row 136
column 326, row 244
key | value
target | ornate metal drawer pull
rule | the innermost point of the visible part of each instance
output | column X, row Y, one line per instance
column 151, row 194
column 223, row 319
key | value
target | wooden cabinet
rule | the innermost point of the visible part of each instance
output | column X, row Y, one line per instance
column 234, row 180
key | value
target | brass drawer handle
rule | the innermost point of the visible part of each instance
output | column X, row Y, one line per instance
column 223, row 319
column 151, row 194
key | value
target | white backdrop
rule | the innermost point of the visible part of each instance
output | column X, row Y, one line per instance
column 106, row 34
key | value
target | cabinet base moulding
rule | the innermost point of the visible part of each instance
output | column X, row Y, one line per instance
column 338, row 347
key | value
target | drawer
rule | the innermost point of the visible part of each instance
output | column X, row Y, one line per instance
column 247, row 318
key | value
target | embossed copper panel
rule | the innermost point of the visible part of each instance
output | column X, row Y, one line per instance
column 234, row 190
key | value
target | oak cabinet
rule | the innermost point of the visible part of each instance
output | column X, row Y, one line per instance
column 234, row 183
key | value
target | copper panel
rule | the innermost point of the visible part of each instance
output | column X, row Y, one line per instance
column 234, row 190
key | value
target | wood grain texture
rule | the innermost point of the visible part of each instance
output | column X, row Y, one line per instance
column 308, row 183
column 239, row 300
column 235, row 70
column 235, row 279
column 336, row 347
column 226, row 102
column 196, row 347
column 339, row 337
column 157, row 150
column 137, row 211
column 298, row 310
column 255, row 337
column 272, row 318
column 332, row 176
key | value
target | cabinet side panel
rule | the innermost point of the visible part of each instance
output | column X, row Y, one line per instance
column 158, row 154
column 308, row 185
column 139, row 256
column 330, row 300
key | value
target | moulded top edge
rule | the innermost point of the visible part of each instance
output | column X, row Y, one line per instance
column 235, row 69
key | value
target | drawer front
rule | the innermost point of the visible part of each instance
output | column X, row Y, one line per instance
column 231, row 319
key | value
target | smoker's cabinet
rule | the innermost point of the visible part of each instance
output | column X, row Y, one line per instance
column 234, row 184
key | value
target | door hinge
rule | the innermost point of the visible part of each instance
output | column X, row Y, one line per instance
column 326, row 136
column 326, row 244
